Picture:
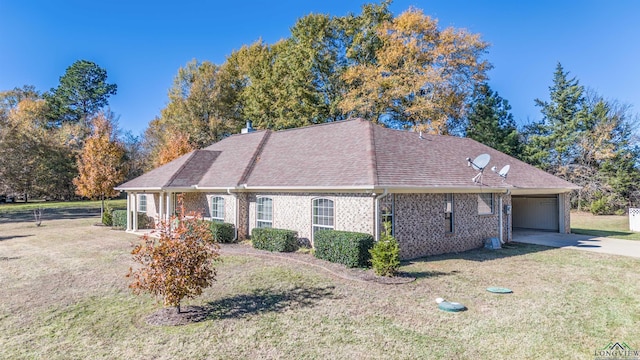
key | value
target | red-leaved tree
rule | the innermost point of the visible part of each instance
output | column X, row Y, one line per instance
column 179, row 262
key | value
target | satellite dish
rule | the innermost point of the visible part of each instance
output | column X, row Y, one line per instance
column 480, row 162
column 504, row 171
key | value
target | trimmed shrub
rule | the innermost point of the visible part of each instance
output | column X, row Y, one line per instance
column 145, row 222
column 107, row 219
column 222, row 232
column 280, row 240
column 385, row 256
column 344, row 247
column 119, row 219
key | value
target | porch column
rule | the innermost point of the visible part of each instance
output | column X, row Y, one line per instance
column 134, row 213
column 161, row 207
column 129, row 223
column 169, row 212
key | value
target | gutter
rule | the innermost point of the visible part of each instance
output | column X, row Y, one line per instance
column 377, row 214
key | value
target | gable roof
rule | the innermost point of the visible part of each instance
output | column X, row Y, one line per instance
column 345, row 155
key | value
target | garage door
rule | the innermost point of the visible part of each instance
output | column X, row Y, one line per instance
column 535, row 212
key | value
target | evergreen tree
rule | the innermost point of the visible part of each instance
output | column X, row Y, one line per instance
column 491, row 123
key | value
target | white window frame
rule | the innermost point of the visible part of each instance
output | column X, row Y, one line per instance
column 327, row 217
column 217, row 208
column 449, row 209
column 142, row 203
column 485, row 200
column 389, row 203
column 263, row 221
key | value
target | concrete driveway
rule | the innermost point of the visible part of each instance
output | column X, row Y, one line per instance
column 579, row 242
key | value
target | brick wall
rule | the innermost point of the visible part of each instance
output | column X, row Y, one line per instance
column 420, row 224
column 293, row 211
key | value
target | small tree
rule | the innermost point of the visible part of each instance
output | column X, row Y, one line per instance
column 385, row 254
column 101, row 163
column 179, row 263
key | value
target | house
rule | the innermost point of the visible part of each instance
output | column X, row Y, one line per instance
column 354, row 175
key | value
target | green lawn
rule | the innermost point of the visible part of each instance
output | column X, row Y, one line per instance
column 64, row 296
column 613, row 226
column 20, row 206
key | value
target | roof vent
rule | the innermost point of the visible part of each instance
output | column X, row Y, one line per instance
column 248, row 129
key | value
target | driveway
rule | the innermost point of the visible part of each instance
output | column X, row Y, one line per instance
column 579, row 242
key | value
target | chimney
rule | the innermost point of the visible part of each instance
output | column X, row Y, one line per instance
column 247, row 129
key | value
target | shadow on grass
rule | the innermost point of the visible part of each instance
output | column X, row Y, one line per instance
column 4, row 238
column 49, row 214
column 426, row 274
column 267, row 300
column 482, row 254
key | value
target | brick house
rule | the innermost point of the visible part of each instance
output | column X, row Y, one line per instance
column 354, row 175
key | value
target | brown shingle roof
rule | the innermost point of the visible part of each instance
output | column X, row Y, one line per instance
column 342, row 155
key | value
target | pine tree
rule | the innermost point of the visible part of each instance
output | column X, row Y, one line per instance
column 491, row 123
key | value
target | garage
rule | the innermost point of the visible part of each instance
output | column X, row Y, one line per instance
column 539, row 212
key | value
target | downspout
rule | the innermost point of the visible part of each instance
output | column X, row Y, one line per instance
column 377, row 215
column 501, row 209
column 235, row 238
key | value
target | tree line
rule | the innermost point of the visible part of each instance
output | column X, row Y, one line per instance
column 399, row 71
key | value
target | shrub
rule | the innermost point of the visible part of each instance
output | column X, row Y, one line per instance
column 280, row 240
column 343, row 247
column 385, row 255
column 119, row 219
column 222, row 232
column 600, row 207
column 145, row 222
column 107, row 218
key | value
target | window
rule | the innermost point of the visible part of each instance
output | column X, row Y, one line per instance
column 485, row 204
column 264, row 213
column 386, row 214
column 217, row 209
column 142, row 203
column 322, row 214
column 448, row 212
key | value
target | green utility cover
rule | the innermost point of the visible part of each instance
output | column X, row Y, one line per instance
column 499, row 290
column 451, row 306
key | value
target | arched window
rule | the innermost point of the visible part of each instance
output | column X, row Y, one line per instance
column 264, row 212
column 322, row 215
column 217, row 209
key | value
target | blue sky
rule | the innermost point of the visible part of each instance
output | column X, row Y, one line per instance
column 142, row 44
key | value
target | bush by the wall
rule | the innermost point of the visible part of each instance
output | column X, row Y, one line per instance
column 222, row 232
column 119, row 219
column 270, row 239
column 385, row 256
column 343, row 247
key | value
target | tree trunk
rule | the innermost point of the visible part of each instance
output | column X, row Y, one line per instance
column 178, row 308
column 102, row 209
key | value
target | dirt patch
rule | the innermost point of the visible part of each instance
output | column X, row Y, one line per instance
column 171, row 317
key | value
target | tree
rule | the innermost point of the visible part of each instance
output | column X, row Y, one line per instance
column 553, row 142
column 491, row 123
column 100, row 165
column 175, row 147
column 82, row 92
column 422, row 76
column 178, row 263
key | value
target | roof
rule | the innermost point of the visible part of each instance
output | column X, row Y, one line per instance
column 348, row 155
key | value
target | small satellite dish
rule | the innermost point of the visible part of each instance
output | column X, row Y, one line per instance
column 480, row 162
column 504, row 171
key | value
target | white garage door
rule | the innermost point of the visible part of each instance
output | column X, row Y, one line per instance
column 535, row 212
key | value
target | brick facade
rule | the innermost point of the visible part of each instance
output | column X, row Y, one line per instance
column 420, row 224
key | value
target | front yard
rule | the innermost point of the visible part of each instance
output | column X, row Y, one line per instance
column 64, row 295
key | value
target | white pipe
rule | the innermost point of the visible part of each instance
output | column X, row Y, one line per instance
column 500, row 227
column 237, row 213
column 377, row 215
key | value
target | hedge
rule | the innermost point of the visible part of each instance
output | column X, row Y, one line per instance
column 280, row 240
column 222, row 232
column 119, row 220
column 344, row 247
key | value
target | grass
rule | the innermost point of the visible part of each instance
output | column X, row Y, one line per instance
column 612, row 226
column 16, row 207
column 64, row 296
